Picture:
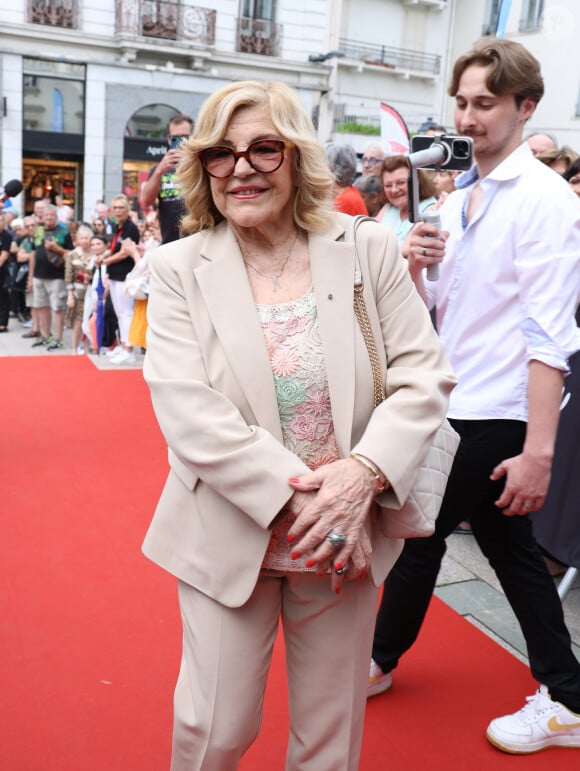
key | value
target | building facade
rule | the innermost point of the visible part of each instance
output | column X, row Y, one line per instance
column 550, row 29
column 87, row 86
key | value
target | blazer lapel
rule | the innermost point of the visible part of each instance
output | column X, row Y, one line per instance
column 332, row 266
column 224, row 285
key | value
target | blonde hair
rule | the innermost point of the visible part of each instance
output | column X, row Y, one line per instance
column 313, row 207
column 554, row 154
column 124, row 200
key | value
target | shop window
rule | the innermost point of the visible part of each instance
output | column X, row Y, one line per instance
column 49, row 179
column 54, row 97
column 145, row 145
column 150, row 122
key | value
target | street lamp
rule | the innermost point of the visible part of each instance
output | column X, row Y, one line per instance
column 318, row 58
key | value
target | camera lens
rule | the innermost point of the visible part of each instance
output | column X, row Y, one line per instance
column 461, row 149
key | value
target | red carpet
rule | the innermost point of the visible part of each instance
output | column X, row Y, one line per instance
column 89, row 640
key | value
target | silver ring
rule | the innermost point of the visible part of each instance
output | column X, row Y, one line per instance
column 341, row 571
column 335, row 539
column 526, row 505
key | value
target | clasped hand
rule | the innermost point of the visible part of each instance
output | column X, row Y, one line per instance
column 338, row 497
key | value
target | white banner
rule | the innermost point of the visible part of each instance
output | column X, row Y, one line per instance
column 394, row 132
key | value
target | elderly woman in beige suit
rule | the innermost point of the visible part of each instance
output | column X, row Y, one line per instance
column 281, row 466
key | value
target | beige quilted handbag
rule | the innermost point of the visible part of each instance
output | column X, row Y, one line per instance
column 416, row 517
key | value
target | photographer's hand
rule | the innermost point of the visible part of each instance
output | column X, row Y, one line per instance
column 425, row 246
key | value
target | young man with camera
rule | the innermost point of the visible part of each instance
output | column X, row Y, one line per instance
column 508, row 288
column 161, row 186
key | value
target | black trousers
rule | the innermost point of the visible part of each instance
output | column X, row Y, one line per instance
column 509, row 545
column 4, row 295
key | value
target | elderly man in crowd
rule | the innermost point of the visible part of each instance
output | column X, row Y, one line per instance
column 51, row 244
column 372, row 158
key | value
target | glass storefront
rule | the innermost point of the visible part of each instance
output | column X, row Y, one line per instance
column 53, row 132
column 145, row 145
column 49, row 179
column 54, row 96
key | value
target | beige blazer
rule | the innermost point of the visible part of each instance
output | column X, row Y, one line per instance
column 213, row 393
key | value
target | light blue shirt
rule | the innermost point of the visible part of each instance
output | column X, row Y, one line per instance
column 392, row 218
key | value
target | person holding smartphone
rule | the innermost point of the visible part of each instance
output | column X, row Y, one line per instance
column 161, row 186
column 51, row 243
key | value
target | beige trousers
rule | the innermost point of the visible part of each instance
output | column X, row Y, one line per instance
column 226, row 657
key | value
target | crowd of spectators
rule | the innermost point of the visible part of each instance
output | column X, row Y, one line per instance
column 58, row 273
column 380, row 178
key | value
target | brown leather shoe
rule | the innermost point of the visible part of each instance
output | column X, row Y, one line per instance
column 31, row 333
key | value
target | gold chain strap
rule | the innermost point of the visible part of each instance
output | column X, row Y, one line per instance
column 360, row 310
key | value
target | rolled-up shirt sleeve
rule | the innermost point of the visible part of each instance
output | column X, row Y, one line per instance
column 548, row 269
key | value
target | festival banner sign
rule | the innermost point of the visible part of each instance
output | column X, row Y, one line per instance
column 394, row 131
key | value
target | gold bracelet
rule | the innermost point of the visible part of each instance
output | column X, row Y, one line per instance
column 382, row 483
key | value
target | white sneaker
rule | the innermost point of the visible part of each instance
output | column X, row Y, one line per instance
column 541, row 723
column 124, row 357
column 114, row 351
column 379, row 681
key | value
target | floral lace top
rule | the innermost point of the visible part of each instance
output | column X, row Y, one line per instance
column 295, row 350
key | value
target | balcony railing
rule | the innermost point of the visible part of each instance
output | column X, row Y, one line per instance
column 258, row 36
column 390, row 57
column 167, row 20
column 53, row 13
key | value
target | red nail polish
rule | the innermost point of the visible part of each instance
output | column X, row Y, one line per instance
column 338, row 565
column 291, row 538
column 294, row 555
column 294, row 479
column 337, row 590
column 310, row 563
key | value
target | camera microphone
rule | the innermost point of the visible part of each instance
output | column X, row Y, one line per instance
column 432, row 217
column 10, row 190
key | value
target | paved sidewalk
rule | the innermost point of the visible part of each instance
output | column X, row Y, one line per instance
column 466, row 581
column 469, row 585
column 13, row 344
